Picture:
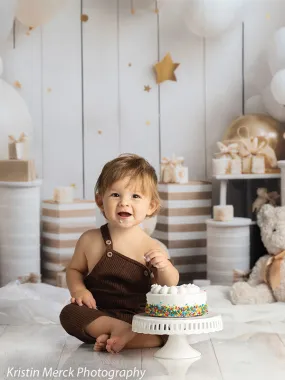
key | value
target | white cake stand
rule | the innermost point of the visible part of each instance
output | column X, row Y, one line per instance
column 177, row 346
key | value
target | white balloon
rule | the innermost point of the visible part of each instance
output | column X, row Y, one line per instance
column 33, row 13
column 14, row 116
column 274, row 109
column 276, row 51
column 254, row 105
column 277, row 86
column 7, row 15
column 210, row 18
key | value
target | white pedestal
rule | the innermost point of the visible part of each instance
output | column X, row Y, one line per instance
column 228, row 248
column 19, row 229
column 177, row 346
column 224, row 178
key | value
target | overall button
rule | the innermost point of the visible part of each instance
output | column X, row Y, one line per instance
column 109, row 254
column 108, row 242
column 145, row 273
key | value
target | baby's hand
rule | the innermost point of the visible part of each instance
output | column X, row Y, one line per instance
column 157, row 259
column 84, row 297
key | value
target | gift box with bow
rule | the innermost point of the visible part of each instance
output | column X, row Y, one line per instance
column 257, row 156
column 18, row 149
column 173, row 170
column 227, row 160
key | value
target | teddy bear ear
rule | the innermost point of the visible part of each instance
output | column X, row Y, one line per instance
column 265, row 213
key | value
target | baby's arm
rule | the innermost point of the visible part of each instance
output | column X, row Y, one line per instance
column 165, row 273
column 75, row 273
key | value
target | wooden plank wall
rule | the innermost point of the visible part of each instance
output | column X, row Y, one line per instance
column 84, row 85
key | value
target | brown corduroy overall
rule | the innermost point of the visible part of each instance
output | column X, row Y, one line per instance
column 119, row 285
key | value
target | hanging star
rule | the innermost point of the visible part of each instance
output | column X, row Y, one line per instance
column 48, row 89
column 147, row 88
column 147, row 122
column 84, row 18
column 165, row 69
column 18, row 84
column 268, row 16
column 130, row 65
column 99, row 132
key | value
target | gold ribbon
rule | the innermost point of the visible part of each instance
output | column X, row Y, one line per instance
column 22, row 138
column 264, row 197
column 230, row 150
column 272, row 270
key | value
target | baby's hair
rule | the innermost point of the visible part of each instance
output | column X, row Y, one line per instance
column 137, row 168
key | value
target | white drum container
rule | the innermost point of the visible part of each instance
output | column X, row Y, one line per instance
column 19, row 229
column 228, row 248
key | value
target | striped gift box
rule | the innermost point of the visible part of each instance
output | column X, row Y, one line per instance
column 62, row 225
column 181, row 226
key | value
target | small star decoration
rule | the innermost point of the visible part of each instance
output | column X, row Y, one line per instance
column 84, row 18
column 99, row 132
column 165, row 69
column 147, row 122
column 147, row 88
column 18, row 84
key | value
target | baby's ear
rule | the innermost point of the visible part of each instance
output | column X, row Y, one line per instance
column 265, row 215
column 99, row 201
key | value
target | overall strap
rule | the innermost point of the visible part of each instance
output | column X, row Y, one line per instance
column 106, row 236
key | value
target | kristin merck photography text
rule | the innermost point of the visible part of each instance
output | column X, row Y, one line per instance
column 80, row 372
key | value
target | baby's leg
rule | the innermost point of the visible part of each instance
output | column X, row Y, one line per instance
column 121, row 335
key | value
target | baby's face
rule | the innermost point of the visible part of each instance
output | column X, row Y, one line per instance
column 125, row 205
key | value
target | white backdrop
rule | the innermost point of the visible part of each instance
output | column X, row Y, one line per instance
column 84, row 85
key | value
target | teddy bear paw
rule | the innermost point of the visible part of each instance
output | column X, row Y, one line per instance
column 241, row 293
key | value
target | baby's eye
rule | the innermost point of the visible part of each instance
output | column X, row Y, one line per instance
column 136, row 196
column 115, row 195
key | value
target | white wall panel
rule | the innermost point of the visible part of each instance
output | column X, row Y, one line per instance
column 100, row 86
column 262, row 19
column 23, row 63
column 138, row 46
column 62, row 100
column 182, row 102
column 223, row 87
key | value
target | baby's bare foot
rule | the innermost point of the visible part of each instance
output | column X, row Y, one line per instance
column 119, row 339
column 101, row 342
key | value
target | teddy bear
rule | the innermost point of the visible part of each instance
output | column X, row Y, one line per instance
column 266, row 283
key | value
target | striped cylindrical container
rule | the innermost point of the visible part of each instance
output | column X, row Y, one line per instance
column 62, row 225
column 181, row 226
column 228, row 247
column 19, row 230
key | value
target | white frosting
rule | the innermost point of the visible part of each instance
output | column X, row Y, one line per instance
column 182, row 289
column 187, row 294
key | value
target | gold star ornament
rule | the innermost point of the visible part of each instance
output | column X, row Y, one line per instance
column 164, row 69
column 147, row 88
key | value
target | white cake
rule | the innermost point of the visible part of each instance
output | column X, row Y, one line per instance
column 176, row 301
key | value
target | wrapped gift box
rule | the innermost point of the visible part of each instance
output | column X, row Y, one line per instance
column 62, row 225
column 181, row 226
column 17, row 170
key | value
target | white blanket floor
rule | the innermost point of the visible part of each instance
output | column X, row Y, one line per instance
column 251, row 345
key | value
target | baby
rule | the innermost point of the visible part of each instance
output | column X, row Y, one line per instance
column 114, row 267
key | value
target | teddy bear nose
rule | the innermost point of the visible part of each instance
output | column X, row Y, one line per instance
column 274, row 229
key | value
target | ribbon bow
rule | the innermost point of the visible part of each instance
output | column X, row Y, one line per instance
column 272, row 270
column 225, row 150
column 173, row 161
column 22, row 138
column 251, row 145
column 264, row 197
